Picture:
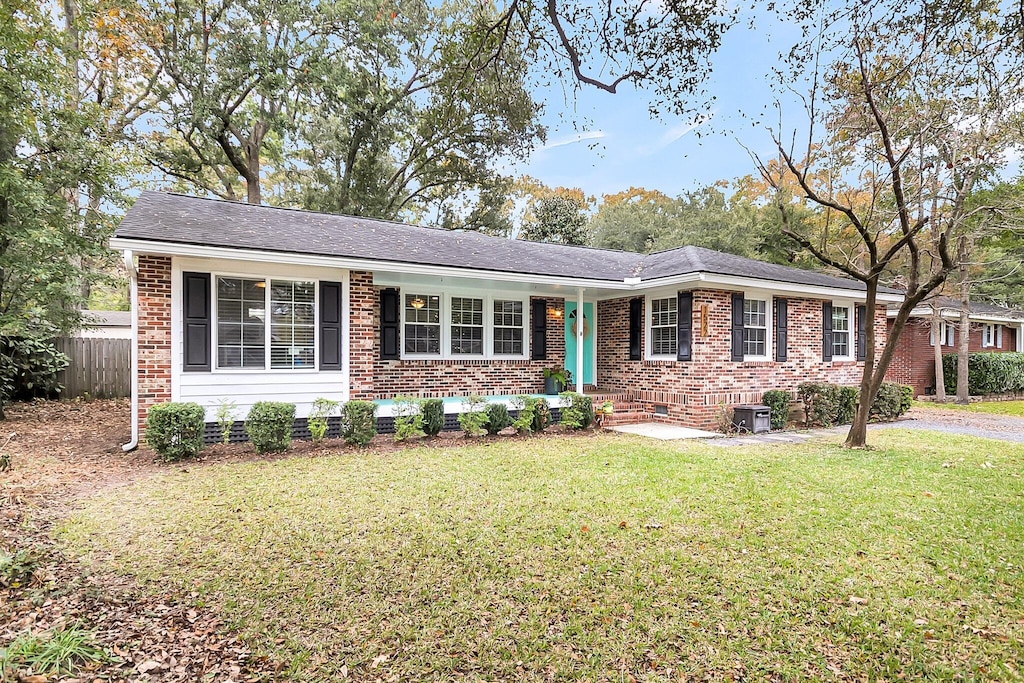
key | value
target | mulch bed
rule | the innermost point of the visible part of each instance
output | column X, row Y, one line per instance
column 62, row 452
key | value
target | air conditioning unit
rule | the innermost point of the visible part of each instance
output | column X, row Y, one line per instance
column 752, row 419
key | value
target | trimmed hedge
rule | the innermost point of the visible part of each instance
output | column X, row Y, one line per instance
column 497, row 418
column 779, row 402
column 821, row 402
column 175, row 430
column 269, row 426
column 990, row 373
column 359, row 422
column 433, row 416
column 828, row 404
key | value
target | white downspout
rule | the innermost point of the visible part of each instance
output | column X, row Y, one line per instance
column 133, row 279
column 1020, row 338
column 579, row 340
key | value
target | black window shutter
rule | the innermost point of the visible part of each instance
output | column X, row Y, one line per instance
column 331, row 315
column 198, row 324
column 781, row 329
column 684, row 326
column 389, row 322
column 737, row 327
column 538, row 329
column 862, row 332
column 826, row 327
column 636, row 315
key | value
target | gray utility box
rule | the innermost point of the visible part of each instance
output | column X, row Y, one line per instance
column 753, row 419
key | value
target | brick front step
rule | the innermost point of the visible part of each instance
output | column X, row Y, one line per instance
column 625, row 418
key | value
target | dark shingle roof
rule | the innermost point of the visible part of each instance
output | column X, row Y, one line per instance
column 175, row 218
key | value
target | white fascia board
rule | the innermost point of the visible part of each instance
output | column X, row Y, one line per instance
column 174, row 249
column 953, row 314
column 742, row 283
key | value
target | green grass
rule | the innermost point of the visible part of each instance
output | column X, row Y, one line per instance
column 62, row 651
column 1013, row 408
column 598, row 559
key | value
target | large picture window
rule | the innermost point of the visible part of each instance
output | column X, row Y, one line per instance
column 755, row 327
column 422, row 324
column 663, row 326
column 467, row 326
column 508, row 328
column 840, row 331
column 244, row 326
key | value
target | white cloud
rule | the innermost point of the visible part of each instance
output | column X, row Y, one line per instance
column 573, row 139
column 681, row 129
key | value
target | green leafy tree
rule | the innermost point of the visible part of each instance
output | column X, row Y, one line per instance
column 559, row 219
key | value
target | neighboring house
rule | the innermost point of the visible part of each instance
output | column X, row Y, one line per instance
column 249, row 303
column 106, row 325
column 993, row 328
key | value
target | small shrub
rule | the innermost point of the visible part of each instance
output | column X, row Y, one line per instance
column 63, row 651
column 319, row 417
column 779, row 402
column 527, row 413
column 577, row 410
column 433, row 416
column 724, row 421
column 269, row 426
column 497, row 418
column 821, row 402
column 175, row 430
column 890, row 402
column 846, row 405
column 408, row 418
column 473, row 418
column 359, row 422
column 541, row 415
column 225, row 415
column 17, row 570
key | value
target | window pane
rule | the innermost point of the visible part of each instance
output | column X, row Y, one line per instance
column 467, row 325
column 663, row 326
column 241, row 307
column 422, row 323
column 755, row 341
column 840, row 331
column 663, row 340
column 754, row 313
column 755, row 327
column 291, row 331
column 508, row 341
column 508, row 327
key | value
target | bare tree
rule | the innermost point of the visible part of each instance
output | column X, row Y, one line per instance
column 912, row 108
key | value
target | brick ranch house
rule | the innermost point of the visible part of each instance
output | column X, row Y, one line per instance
column 993, row 328
column 370, row 309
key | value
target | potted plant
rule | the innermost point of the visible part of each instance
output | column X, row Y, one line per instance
column 556, row 379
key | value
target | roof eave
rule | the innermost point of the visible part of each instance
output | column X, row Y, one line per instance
column 744, row 282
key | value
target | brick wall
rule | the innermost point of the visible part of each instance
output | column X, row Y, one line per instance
column 154, row 289
column 433, row 378
column 364, row 303
column 913, row 363
column 693, row 391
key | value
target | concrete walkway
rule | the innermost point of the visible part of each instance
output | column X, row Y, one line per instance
column 664, row 432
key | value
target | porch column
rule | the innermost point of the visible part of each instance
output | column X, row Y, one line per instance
column 1020, row 338
column 579, row 340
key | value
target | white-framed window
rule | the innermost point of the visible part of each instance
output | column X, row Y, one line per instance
column 755, row 328
column 467, row 326
column 509, row 323
column 946, row 335
column 422, row 333
column 250, row 339
column 841, row 325
column 991, row 335
column 664, row 320
column 438, row 325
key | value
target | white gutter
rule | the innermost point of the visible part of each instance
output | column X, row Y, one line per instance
column 580, row 329
column 133, row 278
column 954, row 314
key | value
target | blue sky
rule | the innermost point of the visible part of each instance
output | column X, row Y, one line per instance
column 605, row 143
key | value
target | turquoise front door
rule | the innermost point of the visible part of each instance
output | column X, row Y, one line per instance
column 588, row 341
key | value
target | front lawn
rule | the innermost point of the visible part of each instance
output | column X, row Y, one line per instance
column 604, row 558
column 1014, row 408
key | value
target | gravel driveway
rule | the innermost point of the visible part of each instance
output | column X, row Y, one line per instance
column 1002, row 427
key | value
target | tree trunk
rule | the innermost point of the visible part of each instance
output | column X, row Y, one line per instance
column 252, row 182
column 936, row 335
column 963, row 378
column 869, row 382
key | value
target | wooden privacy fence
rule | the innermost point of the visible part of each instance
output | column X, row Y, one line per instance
column 98, row 367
